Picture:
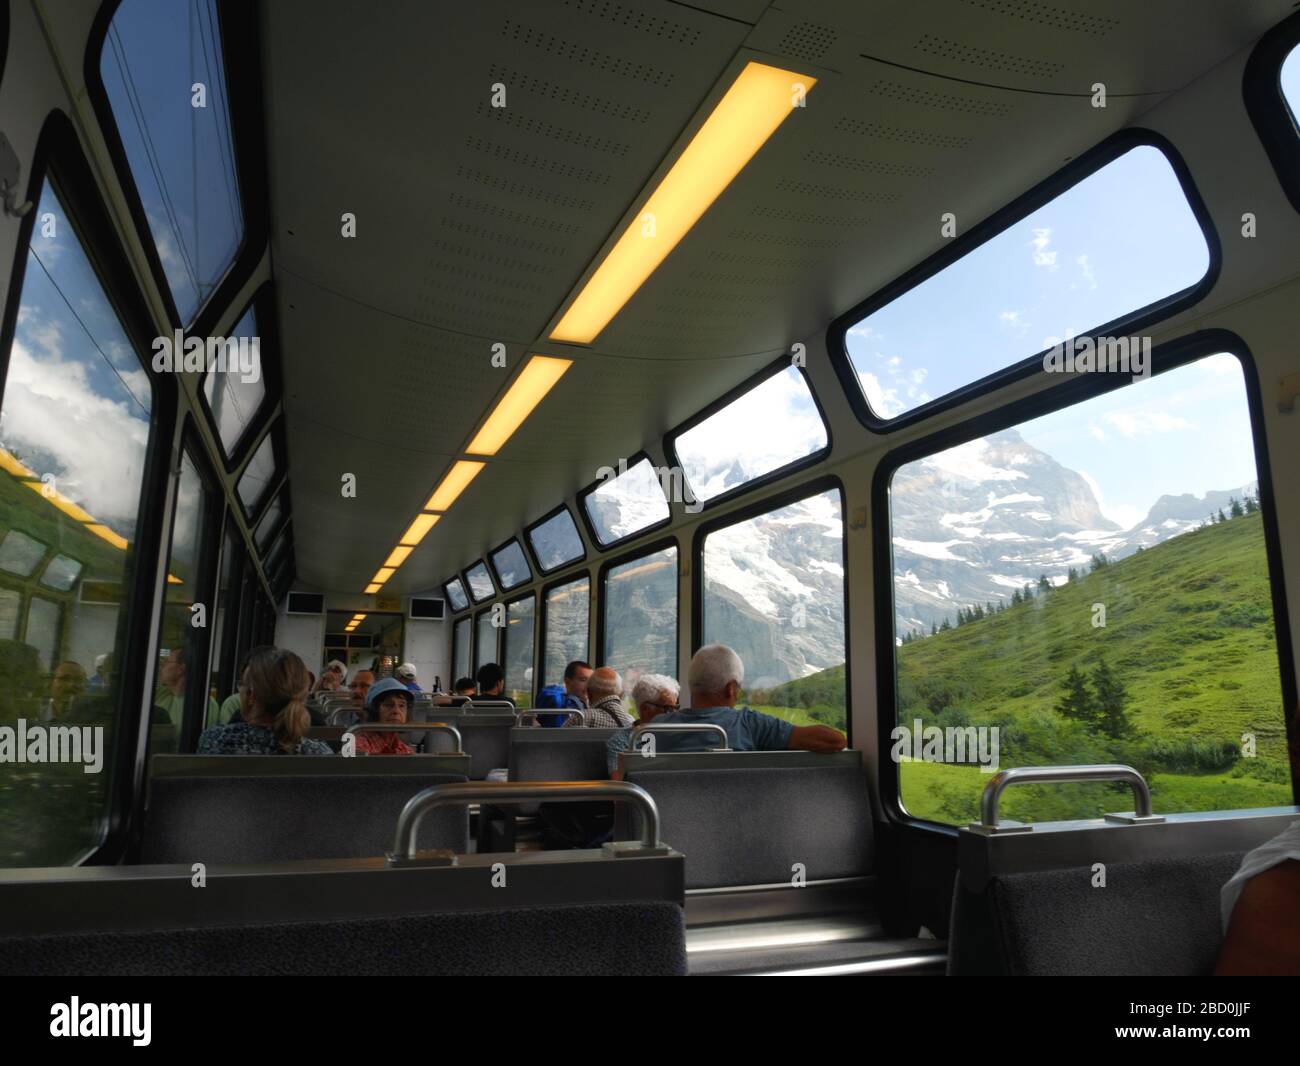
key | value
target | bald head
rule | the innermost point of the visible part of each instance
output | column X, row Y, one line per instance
column 604, row 683
column 715, row 676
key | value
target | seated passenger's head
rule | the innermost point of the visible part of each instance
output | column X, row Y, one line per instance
column 604, row 683
column 405, row 673
column 654, row 694
column 491, row 679
column 361, row 682
column 464, row 686
column 389, row 701
column 575, row 678
column 67, row 682
column 172, row 671
column 715, row 677
column 274, row 694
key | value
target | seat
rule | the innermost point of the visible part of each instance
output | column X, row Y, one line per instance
column 484, row 734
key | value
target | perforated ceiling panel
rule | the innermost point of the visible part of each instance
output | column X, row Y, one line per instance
column 475, row 222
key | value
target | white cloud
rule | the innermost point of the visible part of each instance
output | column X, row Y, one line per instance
column 1123, row 515
column 1143, row 423
column 1085, row 268
column 1043, row 257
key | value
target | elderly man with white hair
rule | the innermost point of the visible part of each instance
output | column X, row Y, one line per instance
column 605, row 693
column 715, row 677
column 653, row 695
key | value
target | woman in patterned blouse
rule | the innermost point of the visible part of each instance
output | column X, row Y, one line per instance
column 389, row 702
column 272, row 695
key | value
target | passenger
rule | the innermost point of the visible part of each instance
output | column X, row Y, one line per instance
column 329, row 682
column 575, row 685
column 229, row 710
column 170, row 694
column 492, row 684
column 355, row 712
column 652, row 695
column 605, row 691
column 465, row 686
column 99, row 679
column 1261, row 927
column 715, row 677
column 406, row 675
column 67, row 684
column 273, row 693
column 389, row 702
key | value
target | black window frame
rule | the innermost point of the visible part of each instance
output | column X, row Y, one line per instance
column 58, row 157
column 1017, row 210
column 545, row 590
column 777, row 366
column 469, row 602
column 1168, row 356
column 263, row 305
column 469, row 589
column 286, row 516
column 1276, row 122
column 756, row 508
column 467, row 616
column 279, row 474
column 531, row 549
column 496, row 573
column 227, row 663
column 581, row 504
column 503, row 640
column 632, row 556
column 237, row 21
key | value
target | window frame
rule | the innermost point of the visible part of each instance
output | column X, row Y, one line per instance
column 1276, row 123
column 503, row 641
column 1134, row 321
column 527, row 539
column 496, row 574
column 232, row 540
column 581, row 501
column 279, row 476
column 236, row 21
column 598, row 591
column 286, row 516
column 467, row 616
column 1168, row 356
column 58, row 157
column 262, row 304
column 754, row 380
column 542, row 593
column 469, row 601
column 469, row 590
column 755, row 509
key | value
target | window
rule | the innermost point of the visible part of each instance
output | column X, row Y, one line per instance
column 456, row 594
column 61, row 573
column 555, row 541
column 234, row 395
column 774, row 591
column 639, row 612
column 182, row 646
column 510, row 565
column 627, row 501
column 461, row 639
column 741, row 442
column 1093, row 585
column 227, row 613
column 485, row 640
column 480, row 583
column 1121, row 240
column 269, row 526
column 258, row 475
column 565, row 628
column 517, row 654
column 176, row 139
column 1290, row 81
column 75, row 423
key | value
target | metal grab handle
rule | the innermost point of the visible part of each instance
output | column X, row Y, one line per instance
column 682, row 727
column 490, row 705
column 1042, row 775
column 497, row 792
column 570, row 712
column 409, row 727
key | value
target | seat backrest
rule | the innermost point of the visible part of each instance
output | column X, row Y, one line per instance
column 270, row 817
column 484, row 736
column 1098, row 898
column 559, row 754
column 760, row 818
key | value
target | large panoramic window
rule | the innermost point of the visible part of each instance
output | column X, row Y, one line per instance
column 1120, row 240
column 75, row 429
column 555, row 541
column 627, row 501
column 774, row 591
column 510, row 565
column 517, row 652
column 485, row 640
column 1058, row 602
column 640, row 613
column 568, row 614
column 480, row 583
column 774, row 424
column 462, row 647
column 235, row 392
column 162, row 69
column 456, row 594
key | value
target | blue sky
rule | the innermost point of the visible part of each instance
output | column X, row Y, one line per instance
column 1291, row 80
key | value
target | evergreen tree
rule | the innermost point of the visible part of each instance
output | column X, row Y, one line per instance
column 1236, row 511
column 946, row 625
column 1222, row 517
column 1015, row 597
column 1252, row 504
column 1112, row 700
column 1073, row 575
column 1076, row 698
column 1097, row 562
column 1043, row 584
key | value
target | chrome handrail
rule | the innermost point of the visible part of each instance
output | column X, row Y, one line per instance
column 570, row 711
column 499, row 792
column 681, row 727
column 1042, row 775
column 408, row 727
column 489, row 705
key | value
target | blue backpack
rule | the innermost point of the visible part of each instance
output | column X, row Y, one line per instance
column 548, row 697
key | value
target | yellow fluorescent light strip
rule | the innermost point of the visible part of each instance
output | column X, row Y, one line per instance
column 383, row 574
column 528, row 390
column 373, row 587
column 747, row 115
column 398, row 556
column 417, row 529
column 453, row 484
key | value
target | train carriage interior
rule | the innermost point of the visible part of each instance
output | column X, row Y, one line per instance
column 635, row 487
